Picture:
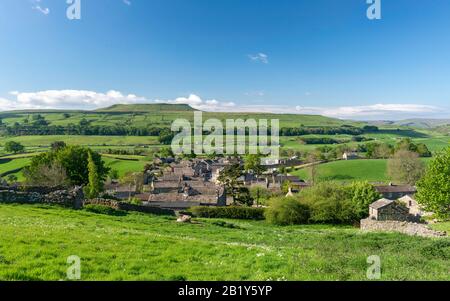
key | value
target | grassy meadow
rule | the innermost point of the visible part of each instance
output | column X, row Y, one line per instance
column 372, row 170
column 36, row 240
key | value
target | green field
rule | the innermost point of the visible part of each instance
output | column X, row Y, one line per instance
column 35, row 141
column 352, row 170
column 124, row 166
column 36, row 241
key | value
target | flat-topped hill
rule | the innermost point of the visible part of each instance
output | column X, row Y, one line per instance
column 147, row 108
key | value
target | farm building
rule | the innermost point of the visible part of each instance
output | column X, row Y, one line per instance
column 394, row 192
column 388, row 210
column 350, row 156
column 414, row 207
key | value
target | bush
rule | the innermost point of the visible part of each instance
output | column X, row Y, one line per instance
column 287, row 211
column 233, row 212
column 102, row 209
column 330, row 203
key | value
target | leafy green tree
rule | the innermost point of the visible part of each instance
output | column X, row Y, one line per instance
column 74, row 161
column 229, row 177
column 287, row 211
column 166, row 152
column 362, row 195
column 166, row 137
column 423, row 151
column 259, row 194
column 95, row 185
column 434, row 188
column 57, row 145
column 12, row 178
column 253, row 164
column 14, row 147
column 405, row 167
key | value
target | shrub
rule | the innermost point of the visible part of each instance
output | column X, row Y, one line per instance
column 232, row 212
column 287, row 211
column 330, row 203
column 135, row 201
column 102, row 209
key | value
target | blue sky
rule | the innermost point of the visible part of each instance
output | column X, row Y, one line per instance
column 302, row 56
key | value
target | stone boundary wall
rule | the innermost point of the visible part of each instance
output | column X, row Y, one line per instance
column 413, row 229
column 67, row 198
column 129, row 207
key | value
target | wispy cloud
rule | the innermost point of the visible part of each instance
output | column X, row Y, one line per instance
column 127, row 2
column 37, row 5
column 259, row 57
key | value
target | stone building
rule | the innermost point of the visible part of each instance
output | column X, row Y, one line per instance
column 414, row 208
column 394, row 192
column 388, row 210
column 350, row 156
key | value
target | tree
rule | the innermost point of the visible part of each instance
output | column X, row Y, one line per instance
column 259, row 194
column 405, row 167
column 74, row 161
column 433, row 190
column 57, row 145
column 363, row 194
column 166, row 137
column 166, row 152
column 95, row 185
column 312, row 159
column 287, row 211
column 229, row 177
column 12, row 178
column 14, row 147
column 51, row 175
column 253, row 164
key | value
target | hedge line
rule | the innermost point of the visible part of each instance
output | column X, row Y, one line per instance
column 232, row 212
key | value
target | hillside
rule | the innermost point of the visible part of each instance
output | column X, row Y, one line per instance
column 36, row 241
column 147, row 108
column 139, row 115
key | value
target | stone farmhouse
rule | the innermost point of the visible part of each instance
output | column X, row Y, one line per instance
column 388, row 210
column 414, row 207
column 395, row 192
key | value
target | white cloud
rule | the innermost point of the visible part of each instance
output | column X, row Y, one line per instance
column 36, row 5
column 82, row 99
column 68, row 99
column 259, row 57
column 199, row 104
column 127, row 2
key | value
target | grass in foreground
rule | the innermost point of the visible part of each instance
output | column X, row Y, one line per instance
column 35, row 242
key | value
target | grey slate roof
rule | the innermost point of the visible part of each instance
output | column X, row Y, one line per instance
column 381, row 203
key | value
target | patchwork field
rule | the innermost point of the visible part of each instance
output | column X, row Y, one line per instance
column 35, row 242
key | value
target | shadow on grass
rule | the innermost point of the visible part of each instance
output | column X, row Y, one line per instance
column 404, row 133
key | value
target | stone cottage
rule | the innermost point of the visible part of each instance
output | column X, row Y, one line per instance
column 414, row 208
column 388, row 210
column 394, row 192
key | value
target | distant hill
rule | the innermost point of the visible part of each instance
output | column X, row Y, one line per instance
column 419, row 123
column 147, row 108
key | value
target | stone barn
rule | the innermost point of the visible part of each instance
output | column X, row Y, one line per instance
column 388, row 210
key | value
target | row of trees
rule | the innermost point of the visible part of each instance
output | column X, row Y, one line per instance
column 324, row 203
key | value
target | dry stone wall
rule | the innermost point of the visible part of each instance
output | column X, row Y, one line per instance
column 413, row 229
